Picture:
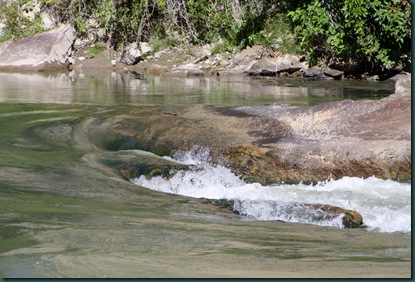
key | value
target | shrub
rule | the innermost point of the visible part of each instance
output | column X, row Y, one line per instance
column 17, row 24
column 371, row 33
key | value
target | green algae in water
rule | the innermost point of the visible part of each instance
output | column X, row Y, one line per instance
column 17, row 242
column 21, row 147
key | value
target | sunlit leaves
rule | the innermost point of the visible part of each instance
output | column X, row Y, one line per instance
column 373, row 33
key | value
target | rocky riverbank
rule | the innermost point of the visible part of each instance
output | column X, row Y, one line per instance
column 60, row 49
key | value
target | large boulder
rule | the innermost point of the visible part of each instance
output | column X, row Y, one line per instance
column 45, row 51
column 262, row 67
column 276, row 143
column 345, row 138
column 273, row 66
column 134, row 53
column 189, row 69
column 289, row 64
column 316, row 72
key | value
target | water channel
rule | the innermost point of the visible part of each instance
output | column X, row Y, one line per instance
column 63, row 218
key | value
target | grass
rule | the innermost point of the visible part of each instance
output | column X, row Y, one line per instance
column 93, row 50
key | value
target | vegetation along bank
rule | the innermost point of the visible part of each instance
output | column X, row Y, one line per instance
column 359, row 38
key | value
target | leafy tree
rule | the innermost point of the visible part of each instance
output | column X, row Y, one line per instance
column 374, row 34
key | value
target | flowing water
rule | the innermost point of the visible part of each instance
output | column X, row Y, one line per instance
column 62, row 218
column 384, row 204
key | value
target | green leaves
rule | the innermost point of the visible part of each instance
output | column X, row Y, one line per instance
column 17, row 24
column 371, row 33
column 374, row 34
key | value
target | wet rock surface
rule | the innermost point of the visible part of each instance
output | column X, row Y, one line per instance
column 134, row 164
column 272, row 143
column 266, row 144
column 313, row 212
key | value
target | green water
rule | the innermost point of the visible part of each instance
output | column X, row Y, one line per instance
column 61, row 217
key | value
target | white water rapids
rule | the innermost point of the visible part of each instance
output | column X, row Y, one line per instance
column 385, row 205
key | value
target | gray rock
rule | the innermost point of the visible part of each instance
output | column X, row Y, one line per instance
column 271, row 67
column 402, row 75
column 47, row 50
column 249, row 54
column 188, row 69
column 402, row 88
column 336, row 74
column 313, row 72
column 262, row 67
column 291, row 68
column 322, row 73
column 2, row 28
column 133, row 53
column 289, row 64
column 48, row 20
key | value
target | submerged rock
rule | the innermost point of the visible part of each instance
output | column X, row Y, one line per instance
column 265, row 144
column 316, row 213
column 350, row 218
column 131, row 165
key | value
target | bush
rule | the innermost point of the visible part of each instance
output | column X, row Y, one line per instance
column 17, row 24
column 374, row 34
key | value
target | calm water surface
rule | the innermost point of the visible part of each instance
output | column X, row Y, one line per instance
column 115, row 89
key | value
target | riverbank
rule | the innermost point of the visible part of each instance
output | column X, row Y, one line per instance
column 60, row 50
column 188, row 61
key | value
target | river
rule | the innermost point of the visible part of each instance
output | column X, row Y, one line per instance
column 63, row 218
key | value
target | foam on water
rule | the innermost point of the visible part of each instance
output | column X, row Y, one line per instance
column 384, row 204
